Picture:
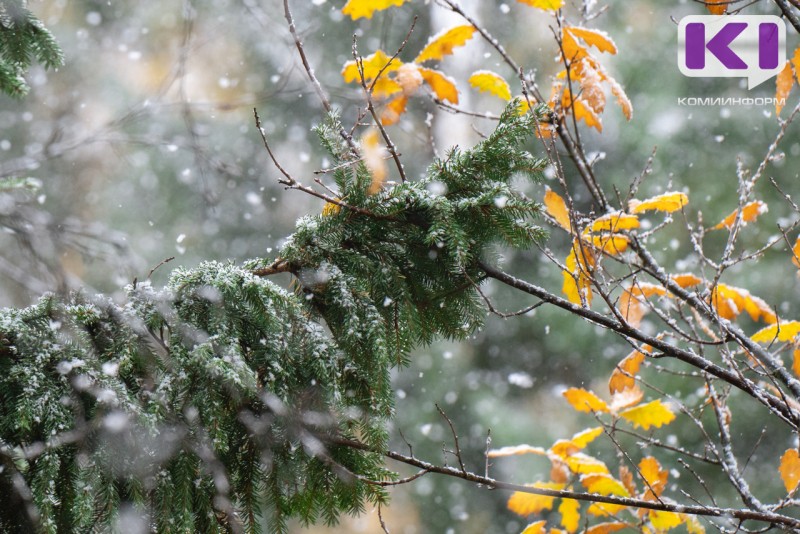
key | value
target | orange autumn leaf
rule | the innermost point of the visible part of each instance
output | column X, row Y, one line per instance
column 622, row 98
column 372, row 65
column 667, row 202
column 652, row 414
column 604, row 509
column 374, row 152
column 623, row 376
column 606, row 528
column 557, row 209
column 796, row 62
column 750, row 212
column 686, row 279
column 536, row 528
column 790, row 469
column 582, row 110
column 717, row 7
column 442, row 86
column 632, row 308
column 516, row 450
column 611, row 243
column 365, row 8
column 632, row 305
column 730, row 301
column 488, row 81
column 784, row 331
column 585, row 401
column 796, row 252
column 783, row 84
column 796, row 361
column 654, row 475
column 570, row 514
column 597, row 38
column 525, row 504
column 391, row 113
column 547, row 5
column 614, row 222
column 443, row 43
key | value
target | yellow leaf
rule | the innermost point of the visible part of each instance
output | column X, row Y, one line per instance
column 652, row 414
column 365, row 8
column 515, row 450
column 330, row 209
column 623, row 376
column 686, row 279
column 784, row 331
column 626, row 398
column 655, row 476
column 584, row 464
column 662, row 520
column 373, row 152
column 693, row 525
column 749, row 214
column 717, row 7
column 547, row 5
column 525, row 504
column 570, row 514
column 783, row 84
column 611, row 243
column 585, row 437
column 615, row 222
column 391, row 113
column 604, row 484
column 598, row 39
column 488, row 81
column 604, row 509
column 442, row 86
column 585, row 401
column 606, row 528
column 385, row 87
column 796, row 62
column 790, row 469
column 373, row 65
column 667, row 202
column 535, row 528
column 557, row 209
column 443, row 43
column 564, row 447
column 796, row 252
column 577, row 285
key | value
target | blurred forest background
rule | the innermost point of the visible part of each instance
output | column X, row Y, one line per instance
column 143, row 147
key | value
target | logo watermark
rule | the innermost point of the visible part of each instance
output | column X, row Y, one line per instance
column 733, row 46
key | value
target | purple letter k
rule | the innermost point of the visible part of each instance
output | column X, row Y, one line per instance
column 719, row 45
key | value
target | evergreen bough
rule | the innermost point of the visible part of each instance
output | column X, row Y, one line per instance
column 23, row 39
column 222, row 402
